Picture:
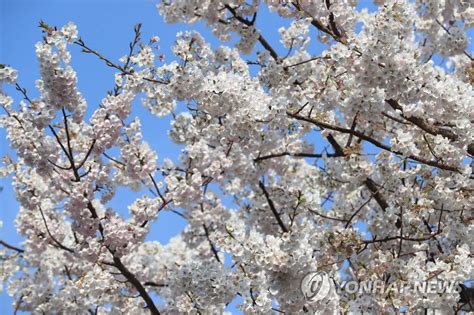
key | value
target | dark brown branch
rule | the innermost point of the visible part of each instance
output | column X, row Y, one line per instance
column 18, row 305
column 426, row 126
column 68, row 137
column 272, row 207
column 353, row 126
column 59, row 166
column 88, row 50
column 87, row 154
column 132, row 45
column 95, row 216
column 213, row 247
column 23, row 92
column 248, row 23
column 153, row 284
column 156, row 188
column 357, row 211
column 336, row 146
column 59, row 141
column 374, row 189
column 332, row 21
column 400, row 121
column 267, row 46
column 113, row 159
column 431, row 149
column 320, row 26
column 398, row 237
column 109, row 63
column 137, row 284
column 303, row 62
column 399, row 224
column 117, row 262
column 51, row 236
column 71, row 161
column 11, row 247
column 302, row 155
column 374, row 142
column 325, row 216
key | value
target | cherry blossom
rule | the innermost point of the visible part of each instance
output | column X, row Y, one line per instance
column 356, row 162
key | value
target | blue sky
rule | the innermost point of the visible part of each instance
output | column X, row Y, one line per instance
column 105, row 25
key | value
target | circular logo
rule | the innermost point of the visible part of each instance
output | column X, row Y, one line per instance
column 315, row 286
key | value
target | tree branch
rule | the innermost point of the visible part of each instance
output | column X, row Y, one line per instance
column 272, row 207
column 248, row 23
column 426, row 126
column 19, row 250
column 137, row 284
column 374, row 142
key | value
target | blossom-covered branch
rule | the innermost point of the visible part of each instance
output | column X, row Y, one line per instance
column 355, row 163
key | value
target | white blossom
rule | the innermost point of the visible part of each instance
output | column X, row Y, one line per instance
column 355, row 162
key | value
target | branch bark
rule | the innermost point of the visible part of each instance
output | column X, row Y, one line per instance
column 374, row 142
column 272, row 207
column 137, row 284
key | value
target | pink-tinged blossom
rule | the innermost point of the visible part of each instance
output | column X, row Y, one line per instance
column 355, row 162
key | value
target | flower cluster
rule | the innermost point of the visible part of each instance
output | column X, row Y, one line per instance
column 58, row 84
column 138, row 158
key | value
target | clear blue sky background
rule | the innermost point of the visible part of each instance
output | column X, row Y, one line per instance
column 105, row 25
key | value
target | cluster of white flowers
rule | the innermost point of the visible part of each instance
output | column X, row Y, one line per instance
column 8, row 74
column 69, row 31
column 340, row 13
column 139, row 159
column 145, row 58
column 58, row 84
column 119, row 236
column 454, row 42
column 159, row 100
column 144, row 209
column 356, row 162
column 296, row 34
column 106, row 121
column 194, row 287
column 106, row 129
column 444, row 23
